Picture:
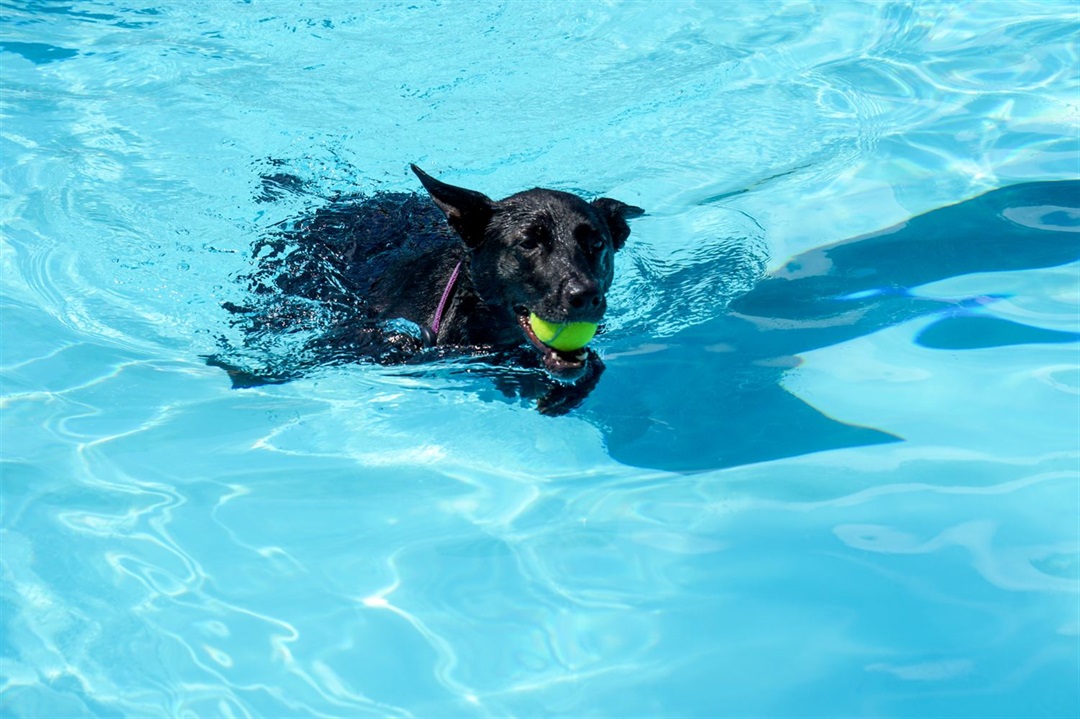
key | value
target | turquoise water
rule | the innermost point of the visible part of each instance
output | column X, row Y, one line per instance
column 830, row 470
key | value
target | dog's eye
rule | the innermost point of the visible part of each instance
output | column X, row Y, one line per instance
column 589, row 238
column 534, row 238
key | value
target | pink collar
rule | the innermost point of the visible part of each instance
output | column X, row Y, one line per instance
column 443, row 301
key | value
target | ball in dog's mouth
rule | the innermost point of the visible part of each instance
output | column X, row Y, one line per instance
column 565, row 365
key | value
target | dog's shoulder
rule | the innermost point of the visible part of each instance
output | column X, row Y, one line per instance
column 356, row 229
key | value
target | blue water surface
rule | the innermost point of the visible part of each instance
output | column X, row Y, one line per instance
column 831, row 469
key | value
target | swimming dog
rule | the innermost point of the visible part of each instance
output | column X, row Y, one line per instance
column 405, row 278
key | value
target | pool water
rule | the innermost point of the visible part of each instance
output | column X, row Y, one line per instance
column 831, row 469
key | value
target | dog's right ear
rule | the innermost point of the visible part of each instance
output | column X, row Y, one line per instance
column 467, row 211
column 615, row 214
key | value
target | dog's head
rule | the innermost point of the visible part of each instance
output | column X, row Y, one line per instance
column 541, row 252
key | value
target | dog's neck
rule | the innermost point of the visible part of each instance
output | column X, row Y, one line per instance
column 445, row 298
column 431, row 334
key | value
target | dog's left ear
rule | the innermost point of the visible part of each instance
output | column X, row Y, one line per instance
column 467, row 211
column 615, row 214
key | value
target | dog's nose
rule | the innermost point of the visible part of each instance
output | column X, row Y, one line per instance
column 583, row 295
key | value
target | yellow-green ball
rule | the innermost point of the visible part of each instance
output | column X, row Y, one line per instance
column 566, row 337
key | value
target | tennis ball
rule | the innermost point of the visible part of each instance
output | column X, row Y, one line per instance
column 567, row 336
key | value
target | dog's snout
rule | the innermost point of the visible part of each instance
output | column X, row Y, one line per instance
column 583, row 295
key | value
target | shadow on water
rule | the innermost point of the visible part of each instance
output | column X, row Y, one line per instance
column 710, row 397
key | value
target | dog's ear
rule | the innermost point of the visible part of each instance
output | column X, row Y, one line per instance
column 615, row 213
column 467, row 211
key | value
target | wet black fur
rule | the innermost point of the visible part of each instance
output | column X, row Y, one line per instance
column 346, row 275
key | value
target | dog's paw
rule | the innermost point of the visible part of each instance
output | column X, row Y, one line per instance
column 561, row 398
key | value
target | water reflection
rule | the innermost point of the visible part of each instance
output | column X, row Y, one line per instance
column 711, row 396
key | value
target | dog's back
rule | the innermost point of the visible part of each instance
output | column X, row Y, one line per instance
column 378, row 254
column 331, row 276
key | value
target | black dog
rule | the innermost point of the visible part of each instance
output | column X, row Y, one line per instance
column 395, row 279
